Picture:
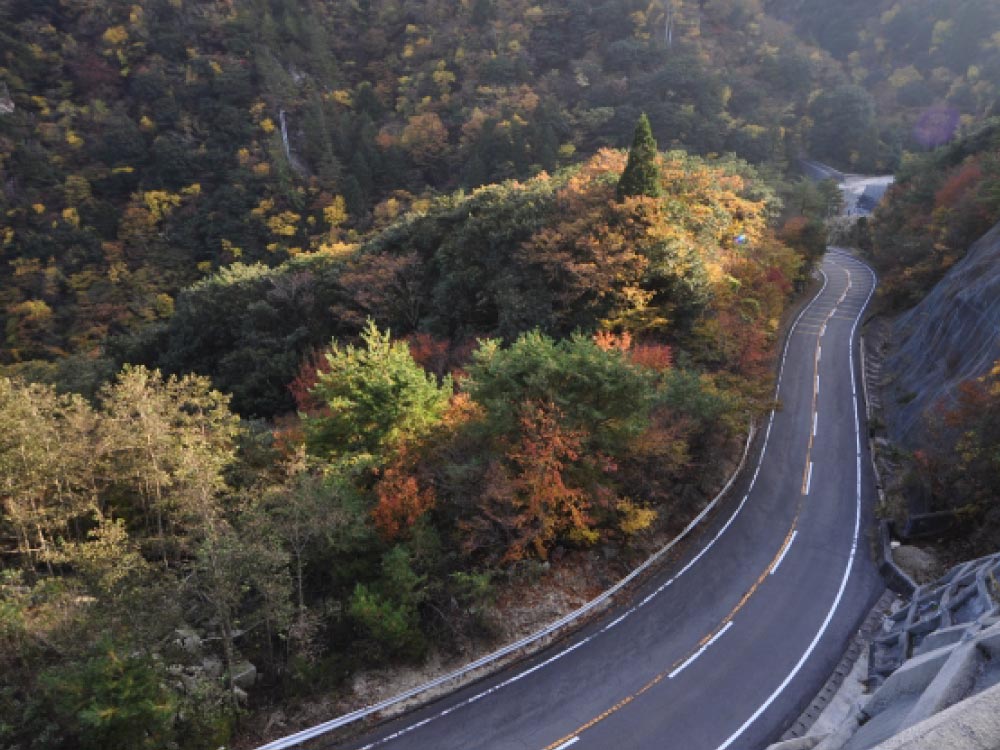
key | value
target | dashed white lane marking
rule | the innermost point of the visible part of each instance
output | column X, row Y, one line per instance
column 817, row 386
column 784, row 552
column 617, row 620
column 568, row 743
column 819, row 354
column 691, row 659
column 815, row 423
column 809, row 478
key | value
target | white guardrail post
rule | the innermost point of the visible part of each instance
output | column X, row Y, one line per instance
column 294, row 740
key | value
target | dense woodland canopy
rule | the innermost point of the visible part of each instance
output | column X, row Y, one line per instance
column 574, row 367
column 144, row 145
column 916, row 57
column 325, row 321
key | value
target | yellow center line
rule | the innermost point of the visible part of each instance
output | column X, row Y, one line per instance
column 718, row 629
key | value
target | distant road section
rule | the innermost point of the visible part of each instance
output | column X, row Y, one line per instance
column 816, row 170
column 861, row 192
column 724, row 650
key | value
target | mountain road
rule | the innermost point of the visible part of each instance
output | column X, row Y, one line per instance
column 725, row 648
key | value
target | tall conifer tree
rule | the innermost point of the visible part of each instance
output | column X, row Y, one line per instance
column 642, row 173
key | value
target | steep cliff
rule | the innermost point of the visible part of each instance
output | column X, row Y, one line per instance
column 951, row 336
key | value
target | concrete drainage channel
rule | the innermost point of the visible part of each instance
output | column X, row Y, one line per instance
column 871, row 373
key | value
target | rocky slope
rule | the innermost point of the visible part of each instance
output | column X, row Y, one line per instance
column 950, row 337
column 933, row 670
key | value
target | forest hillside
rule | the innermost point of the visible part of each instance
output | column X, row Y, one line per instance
column 528, row 372
column 144, row 145
column 928, row 64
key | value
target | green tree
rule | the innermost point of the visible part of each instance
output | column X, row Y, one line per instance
column 388, row 612
column 376, row 396
column 642, row 173
column 483, row 11
column 300, row 513
column 238, row 580
column 599, row 392
column 111, row 701
column 173, row 439
column 845, row 129
column 46, row 468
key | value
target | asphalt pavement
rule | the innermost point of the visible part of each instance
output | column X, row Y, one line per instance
column 726, row 647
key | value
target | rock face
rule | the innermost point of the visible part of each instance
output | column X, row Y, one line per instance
column 951, row 336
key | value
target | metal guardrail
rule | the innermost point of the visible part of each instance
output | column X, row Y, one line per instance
column 294, row 740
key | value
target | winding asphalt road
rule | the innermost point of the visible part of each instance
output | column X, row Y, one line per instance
column 724, row 650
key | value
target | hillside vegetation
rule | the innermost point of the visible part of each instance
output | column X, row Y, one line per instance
column 929, row 65
column 941, row 203
column 144, row 145
column 557, row 253
column 582, row 351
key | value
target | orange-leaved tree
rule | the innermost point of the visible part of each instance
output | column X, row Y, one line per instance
column 529, row 501
column 401, row 500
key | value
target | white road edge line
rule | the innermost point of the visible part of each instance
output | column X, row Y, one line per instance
column 618, row 620
column 473, row 699
column 850, row 560
column 691, row 659
column 305, row 735
column 784, row 552
column 568, row 743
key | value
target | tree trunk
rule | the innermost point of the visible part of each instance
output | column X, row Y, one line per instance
column 227, row 651
column 298, row 577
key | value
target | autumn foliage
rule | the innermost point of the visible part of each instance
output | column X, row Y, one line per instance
column 312, row 367
column 958, row 469
column 400, row 500
column 438, row 334
column 941, row 203
column 529, row 501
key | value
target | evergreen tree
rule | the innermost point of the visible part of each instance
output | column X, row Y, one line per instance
column 377, row 395
column 642, row 173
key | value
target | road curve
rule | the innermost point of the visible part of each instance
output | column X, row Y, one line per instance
column 724, row 650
